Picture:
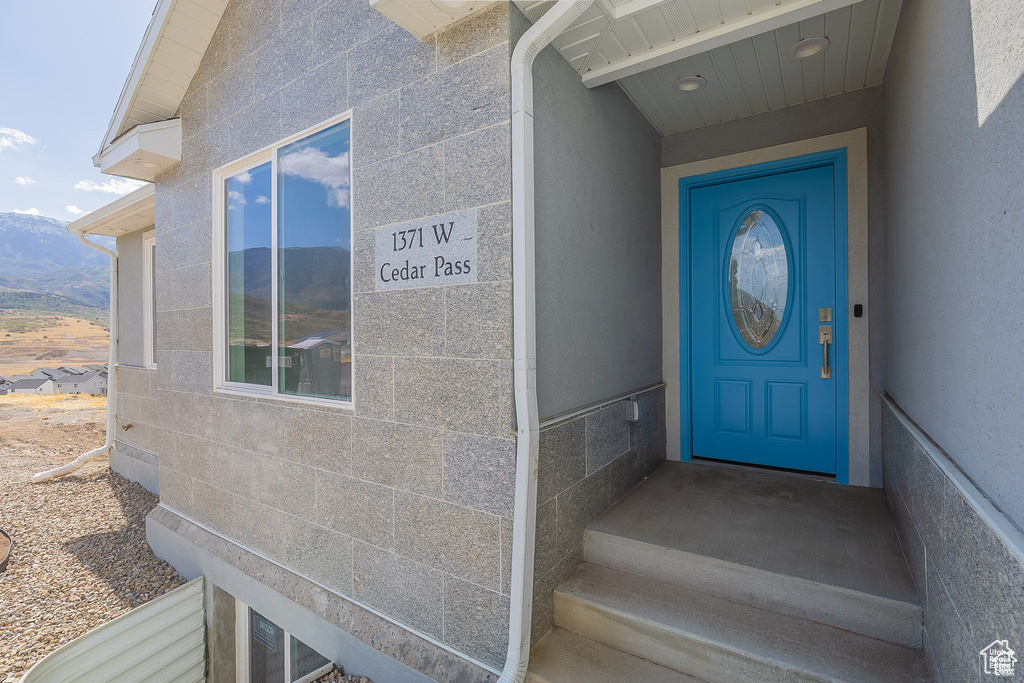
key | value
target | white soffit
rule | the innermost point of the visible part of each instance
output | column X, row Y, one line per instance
column 740, row 47
column 144, row 151
column 177, row 36
column 133, row 212
column 425, row 17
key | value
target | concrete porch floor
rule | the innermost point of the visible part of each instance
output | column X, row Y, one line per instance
column 786, row 524
column 729, row 574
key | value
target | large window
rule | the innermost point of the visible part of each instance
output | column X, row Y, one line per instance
column 285, row 231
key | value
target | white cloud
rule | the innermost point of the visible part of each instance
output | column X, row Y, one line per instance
column 24, row 181
column 244, row 177
column 236, row 199
column 262, row 199
column 11, row 138
column 74, row 210
column 28, row 212
column 112, row 186
column 311, row 163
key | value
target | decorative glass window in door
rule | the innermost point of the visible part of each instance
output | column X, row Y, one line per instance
column 758, row 279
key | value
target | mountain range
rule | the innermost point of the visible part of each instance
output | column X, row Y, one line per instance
column 39, row 256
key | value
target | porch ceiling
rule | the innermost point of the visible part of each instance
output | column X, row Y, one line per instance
column 740, row 47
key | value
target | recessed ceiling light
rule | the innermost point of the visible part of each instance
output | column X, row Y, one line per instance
column 687, row 83
column 118, row 231
column 454, row 5
column 808, row 47
column 145, row 164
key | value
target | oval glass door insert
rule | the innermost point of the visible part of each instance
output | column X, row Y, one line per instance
column 758, row 279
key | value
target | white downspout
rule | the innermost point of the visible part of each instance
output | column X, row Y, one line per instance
column 546, row 29
column 108, row 442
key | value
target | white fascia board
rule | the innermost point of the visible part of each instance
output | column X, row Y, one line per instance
column 161, row 13
column 133, row 212
column 720, row 36
column 144, row 151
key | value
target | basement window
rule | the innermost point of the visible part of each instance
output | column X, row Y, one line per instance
column 283, row 291
column 266, row 653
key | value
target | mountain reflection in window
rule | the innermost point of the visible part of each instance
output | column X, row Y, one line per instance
column 314, row 283
column 758, row 279
column 249, row 280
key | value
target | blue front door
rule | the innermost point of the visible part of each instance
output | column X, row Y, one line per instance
column 763, row 297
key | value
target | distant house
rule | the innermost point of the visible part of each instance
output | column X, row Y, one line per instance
column 72, row 370
column 91, row 382
column 34, row 385
column 46, row 373
column 323, row 360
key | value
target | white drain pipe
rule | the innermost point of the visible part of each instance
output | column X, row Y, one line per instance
column 546, row 29
column 108, row 442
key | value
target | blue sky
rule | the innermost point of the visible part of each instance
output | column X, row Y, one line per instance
column 62, row 66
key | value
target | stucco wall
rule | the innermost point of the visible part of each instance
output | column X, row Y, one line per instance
column 598, row 241
column 405, row 502
column 955, row 130
column 859, row 109
column 130, row 300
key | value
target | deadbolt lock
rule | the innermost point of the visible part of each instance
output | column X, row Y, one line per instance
column 824, row 315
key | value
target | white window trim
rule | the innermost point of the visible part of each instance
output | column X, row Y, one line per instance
column 148, row 300
column 220, row 283
column 242, row 650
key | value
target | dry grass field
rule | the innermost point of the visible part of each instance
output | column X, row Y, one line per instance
column 29, row 340
column 71, row 408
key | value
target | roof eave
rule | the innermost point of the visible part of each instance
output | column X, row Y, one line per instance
column 133, row 212
column 199, row 19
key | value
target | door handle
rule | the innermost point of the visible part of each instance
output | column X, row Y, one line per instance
column 825, row 338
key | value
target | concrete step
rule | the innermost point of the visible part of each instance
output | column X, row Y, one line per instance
column 719, row 640
column 565, row 657
column 895, row 619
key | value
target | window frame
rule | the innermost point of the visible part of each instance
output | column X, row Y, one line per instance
column 220, row 175
column 148, row 299
column 242, row 633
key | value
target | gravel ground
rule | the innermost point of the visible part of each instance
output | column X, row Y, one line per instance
column 337, row 676
column 80, row 556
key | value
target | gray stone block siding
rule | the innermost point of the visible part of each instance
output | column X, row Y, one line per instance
column 587, row 462
column 970, row 582
column 138, row 418
column 403, row 503
column 319, row 616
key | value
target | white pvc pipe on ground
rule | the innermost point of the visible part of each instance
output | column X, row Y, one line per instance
column 539, row 36
column 108, row 442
